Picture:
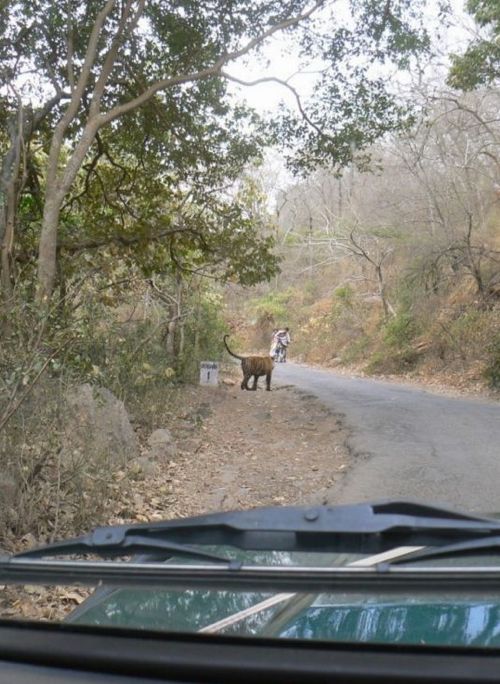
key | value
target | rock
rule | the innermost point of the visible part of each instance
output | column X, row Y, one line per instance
column 8, row 496
column 145, row 466
column 97, row 423
column 203, row 411
column 161, row 445
column 186, row 425
column 8, row 490
column 229, row 382
column 161, row 436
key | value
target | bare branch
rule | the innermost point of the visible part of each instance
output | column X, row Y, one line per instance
column 77, row 93
column 285, row 84
column 110, row 59
column 202, row 74
column 70, row 48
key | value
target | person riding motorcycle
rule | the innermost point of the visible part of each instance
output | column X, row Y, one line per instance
column 280, row 341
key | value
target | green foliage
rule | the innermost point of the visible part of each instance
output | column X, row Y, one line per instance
column 274, row 307
column 468, row 323
column 132, row 358
column 310, row 290
column 342, row 315
column 345, row 295
column 392, row 362
column 363, row 112
column 203, row 336
column 186, row 38
column 480, row 64
column 356, row 350
column 153, row 188
column 396, row 354
column 400, row 330
column 111, row 355
column 468, row 334
column 144, row 202
column 492, row 371
column 107, row 346
column 351, row 107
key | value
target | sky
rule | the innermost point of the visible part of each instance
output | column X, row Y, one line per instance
column 279, row 61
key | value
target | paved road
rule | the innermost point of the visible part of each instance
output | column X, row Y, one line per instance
column 409, row 443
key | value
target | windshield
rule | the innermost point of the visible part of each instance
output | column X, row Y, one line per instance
column 250, row 269
column 426, row 615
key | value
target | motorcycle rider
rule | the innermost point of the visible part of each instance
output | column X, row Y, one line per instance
column 281, row 339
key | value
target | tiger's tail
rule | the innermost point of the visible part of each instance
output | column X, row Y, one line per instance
column 232, row 353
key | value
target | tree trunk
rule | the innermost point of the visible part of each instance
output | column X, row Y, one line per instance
column 170, row 345
column 180, row 345
column 197, row 313
column 388, row 309
column 8, row 220
column 47, row 254
column 12, row 180
column 474, row 264
column 58, row 185
column 9, row 189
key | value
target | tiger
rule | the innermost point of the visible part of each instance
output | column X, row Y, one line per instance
column 253, row 365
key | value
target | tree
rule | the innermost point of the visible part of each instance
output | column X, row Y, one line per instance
column 480, row 63
column 165, row 208
column 21, row 120
column 452, row 164
column 109, row 59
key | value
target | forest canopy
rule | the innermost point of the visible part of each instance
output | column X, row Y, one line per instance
column 126, row 106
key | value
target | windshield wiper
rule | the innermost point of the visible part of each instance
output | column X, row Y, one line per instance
column 366, row 528
column 117, row 541
column 463, row 548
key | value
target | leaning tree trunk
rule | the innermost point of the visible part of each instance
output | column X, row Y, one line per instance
column 13, row 177
column 388, row 309
column 58, row 185
column 171, row 334
column 474, row 263
column 47, row 254
column 9, row 192
column 179, row 304
column 7, row 230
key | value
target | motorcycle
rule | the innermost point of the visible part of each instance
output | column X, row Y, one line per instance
column 280, row 353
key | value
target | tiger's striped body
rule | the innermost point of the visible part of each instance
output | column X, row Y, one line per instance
column 255, row 366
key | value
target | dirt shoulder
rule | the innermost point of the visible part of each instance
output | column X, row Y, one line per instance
column 245, row 449
column 235, row 450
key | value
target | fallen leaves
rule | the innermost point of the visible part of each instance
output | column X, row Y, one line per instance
column 248, row 451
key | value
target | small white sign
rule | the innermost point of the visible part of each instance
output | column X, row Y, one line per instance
column 209, row 373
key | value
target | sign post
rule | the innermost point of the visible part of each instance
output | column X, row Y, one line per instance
column 209, row 373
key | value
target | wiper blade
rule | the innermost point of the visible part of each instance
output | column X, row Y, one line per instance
column 238, row 577
column 110, row 542
column 365, row 528
column 469, row 547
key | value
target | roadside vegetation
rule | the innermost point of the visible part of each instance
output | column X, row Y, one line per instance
column 395, row 270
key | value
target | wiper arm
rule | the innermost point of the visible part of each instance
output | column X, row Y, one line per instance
column 472, row 546
column 110, row 542
column 362, row 528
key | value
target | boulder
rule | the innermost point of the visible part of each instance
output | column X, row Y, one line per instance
column 229, row 382
column 8, row 497
column 145, row 466
column 161, row 445
column 203, row 411
column 97, row 423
